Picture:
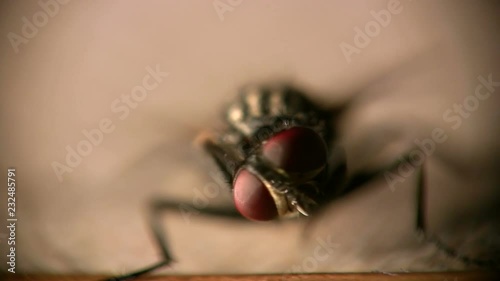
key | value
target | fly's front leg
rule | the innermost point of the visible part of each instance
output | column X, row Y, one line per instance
column 227, row 161
column 158, row 209
column 225, row 157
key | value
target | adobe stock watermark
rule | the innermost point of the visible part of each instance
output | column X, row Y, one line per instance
column 323, row 250
column 454, row 117
column 30, row 28
column 363, row 37
column 122, row 107
column 223, row 6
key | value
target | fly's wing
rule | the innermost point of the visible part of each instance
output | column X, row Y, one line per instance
column 375, row 85
column 380, row 88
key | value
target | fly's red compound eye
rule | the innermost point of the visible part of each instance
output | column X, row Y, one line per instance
column 252, row 199
column 297, row 150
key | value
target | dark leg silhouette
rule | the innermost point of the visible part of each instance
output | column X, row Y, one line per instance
column 158, row 209
column 360, row 178
column 423, row 232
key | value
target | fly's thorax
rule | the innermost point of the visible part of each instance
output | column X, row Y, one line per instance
column 257, row 107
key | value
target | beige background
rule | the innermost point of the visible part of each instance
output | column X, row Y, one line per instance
column 65, row 78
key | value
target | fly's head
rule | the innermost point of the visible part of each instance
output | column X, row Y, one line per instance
column 282, row 155
column 284, row 178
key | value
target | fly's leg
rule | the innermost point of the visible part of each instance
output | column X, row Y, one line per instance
column 225, row 158
column 364, row 176
column 138, row 273
column 423, row 232
column 340, row 184
column 157, row 210
column 228, row 162
column 420, row 219
column 160, row 207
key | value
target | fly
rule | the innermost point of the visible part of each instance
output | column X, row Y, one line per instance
column 276, row 154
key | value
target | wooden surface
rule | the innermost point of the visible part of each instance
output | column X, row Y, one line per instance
column 447, row 276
